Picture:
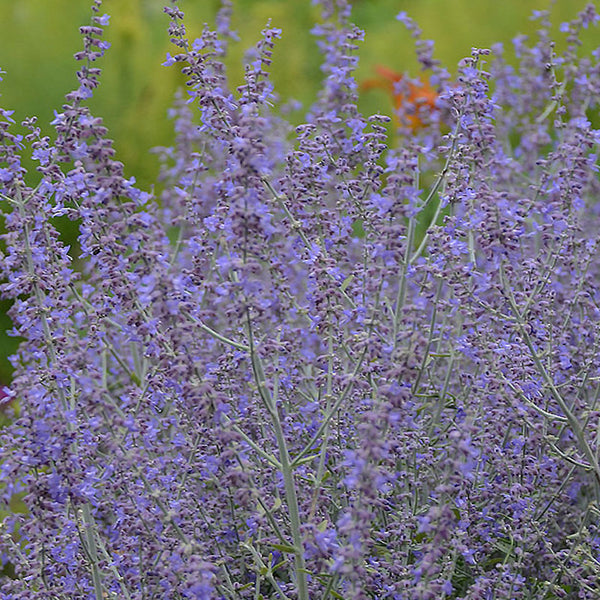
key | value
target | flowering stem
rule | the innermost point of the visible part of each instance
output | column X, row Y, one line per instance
column 330, row 414
column 90, row 546
column 89, row 539
column 434, row 189
column 287, row 470
column 571, row 417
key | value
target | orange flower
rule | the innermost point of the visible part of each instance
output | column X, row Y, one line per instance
column 412, row 100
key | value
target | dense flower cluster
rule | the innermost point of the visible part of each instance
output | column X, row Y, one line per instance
column 321, row 364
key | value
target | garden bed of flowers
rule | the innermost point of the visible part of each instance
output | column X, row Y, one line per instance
column 356, row 358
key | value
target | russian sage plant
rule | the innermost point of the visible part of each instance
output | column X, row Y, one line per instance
column 321, row 362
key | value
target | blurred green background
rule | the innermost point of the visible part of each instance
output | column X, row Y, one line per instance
column 39, row 37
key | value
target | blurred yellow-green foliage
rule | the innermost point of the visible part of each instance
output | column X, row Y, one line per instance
column 39, row 37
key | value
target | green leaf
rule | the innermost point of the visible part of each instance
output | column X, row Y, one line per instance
column 347, row 282
column 285, row 548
